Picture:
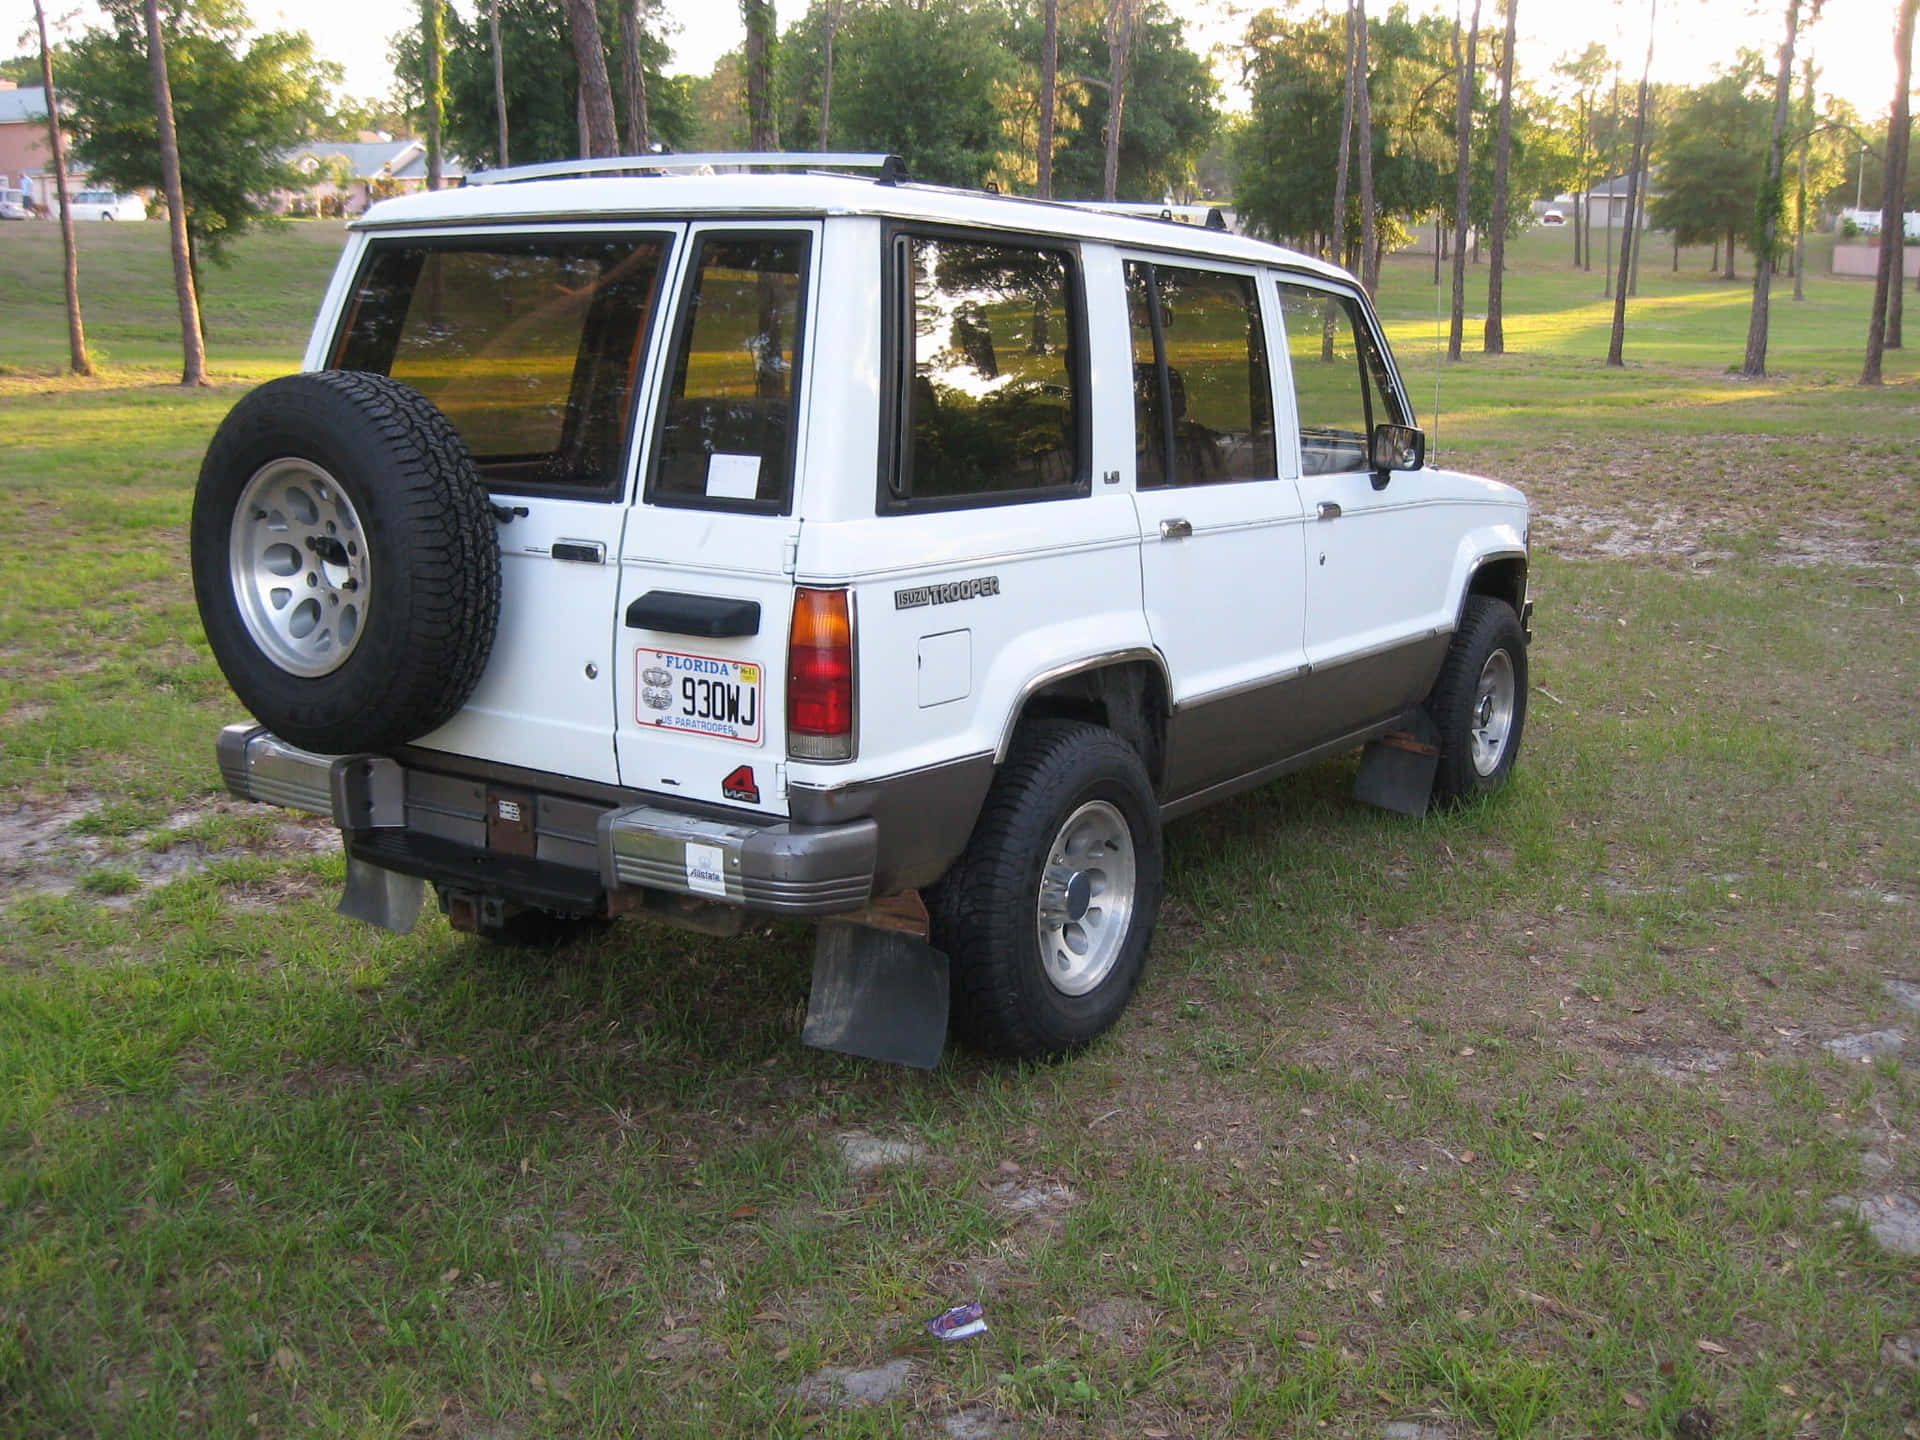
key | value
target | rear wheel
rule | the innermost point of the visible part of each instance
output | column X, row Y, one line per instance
column 1047, row 915
column 1479, row 703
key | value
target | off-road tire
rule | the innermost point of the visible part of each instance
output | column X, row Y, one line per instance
column 432, row 594
column 1488, row 641
column 986, row 909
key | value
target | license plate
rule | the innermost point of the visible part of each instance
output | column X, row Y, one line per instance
column 699, row 695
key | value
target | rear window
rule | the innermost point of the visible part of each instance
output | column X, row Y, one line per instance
column 532, row 348
column 726, row 429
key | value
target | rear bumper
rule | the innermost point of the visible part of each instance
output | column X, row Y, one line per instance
column 554, row 851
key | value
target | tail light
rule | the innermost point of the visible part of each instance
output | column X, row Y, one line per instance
column 820, row 676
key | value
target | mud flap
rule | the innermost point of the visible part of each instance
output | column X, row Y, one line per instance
column 381, row 897
column 877, row 993
column 1396, row 771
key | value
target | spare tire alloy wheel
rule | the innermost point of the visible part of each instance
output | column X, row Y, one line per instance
column 345, row 561
column 299, row 567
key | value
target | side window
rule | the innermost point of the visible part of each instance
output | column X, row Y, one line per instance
column 726, row 427
column 1340, row 383
column 529, row 346
column 1203, row 403
column 990, row 405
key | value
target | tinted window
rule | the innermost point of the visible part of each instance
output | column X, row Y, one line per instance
column 530, row 347
column 726, row 430
column 1340, row 382
column 1203, row 405
column 991, row 404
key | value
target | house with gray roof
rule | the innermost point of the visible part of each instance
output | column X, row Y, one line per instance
column 349, row 175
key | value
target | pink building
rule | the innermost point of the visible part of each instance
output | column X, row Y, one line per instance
column 23, row 138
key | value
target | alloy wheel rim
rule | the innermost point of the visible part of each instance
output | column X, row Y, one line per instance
column 299, row 567
column 1087, row 893
column 1493, row 706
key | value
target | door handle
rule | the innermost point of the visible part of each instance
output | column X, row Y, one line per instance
column 1328, row 510
column 1176, row 529
column 711, row 617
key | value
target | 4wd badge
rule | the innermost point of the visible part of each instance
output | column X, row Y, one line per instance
column 740, row 785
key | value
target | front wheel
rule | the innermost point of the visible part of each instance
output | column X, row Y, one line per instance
column 1046, row 916
column 1479, row 703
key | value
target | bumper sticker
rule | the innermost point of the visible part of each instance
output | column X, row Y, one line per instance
column 706, row 870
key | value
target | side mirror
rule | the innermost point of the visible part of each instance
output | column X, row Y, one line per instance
column 1395, row 447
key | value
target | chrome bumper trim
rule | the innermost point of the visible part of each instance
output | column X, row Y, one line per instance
column 778, row 868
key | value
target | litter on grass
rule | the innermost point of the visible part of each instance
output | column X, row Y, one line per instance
column 959, row 1322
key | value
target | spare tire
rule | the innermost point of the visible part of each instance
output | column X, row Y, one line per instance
column 345, row 561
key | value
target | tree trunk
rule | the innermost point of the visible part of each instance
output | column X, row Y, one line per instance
column 194, row 369
column 1613, row 154
column 434, row 44
column 830, row 20
column 1713, row 265
column 1616, row 345
column 77, row 360
column 1755, row 364
column 633, row 79
column 1337, row 242
column 758, row 15
column 1800, row 199
column 1463, row 184
column 1369, row 203
column 600, row 135
column 1049, row 95
column 1496, row 338
column 1580, row 187
column 1888, row 279
column 1894, row 241
column 1123, row 16
column 1733, row 240
column 499, row 80
column 1636, row 234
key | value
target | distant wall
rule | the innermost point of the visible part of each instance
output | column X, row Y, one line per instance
column 1853, row 258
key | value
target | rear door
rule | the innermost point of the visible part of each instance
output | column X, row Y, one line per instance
column 705, row 586
column 537, row 348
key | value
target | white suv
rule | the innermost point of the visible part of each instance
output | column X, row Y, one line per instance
column 703, row 544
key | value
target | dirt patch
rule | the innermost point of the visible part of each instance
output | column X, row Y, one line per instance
column 1122, row 1321
column 1599, row 504
column 48, row 849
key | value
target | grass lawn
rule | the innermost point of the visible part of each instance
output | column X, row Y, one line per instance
column 1519, row 1121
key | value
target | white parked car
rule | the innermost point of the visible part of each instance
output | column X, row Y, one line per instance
column 107, row 205
column 700, row 545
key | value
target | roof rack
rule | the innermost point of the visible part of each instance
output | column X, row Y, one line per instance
column 893, row 170
column 1211, row 217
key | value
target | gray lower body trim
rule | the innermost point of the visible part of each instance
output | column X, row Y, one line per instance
column 1221, row 745
column 1226, row 789
column 924, row 817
